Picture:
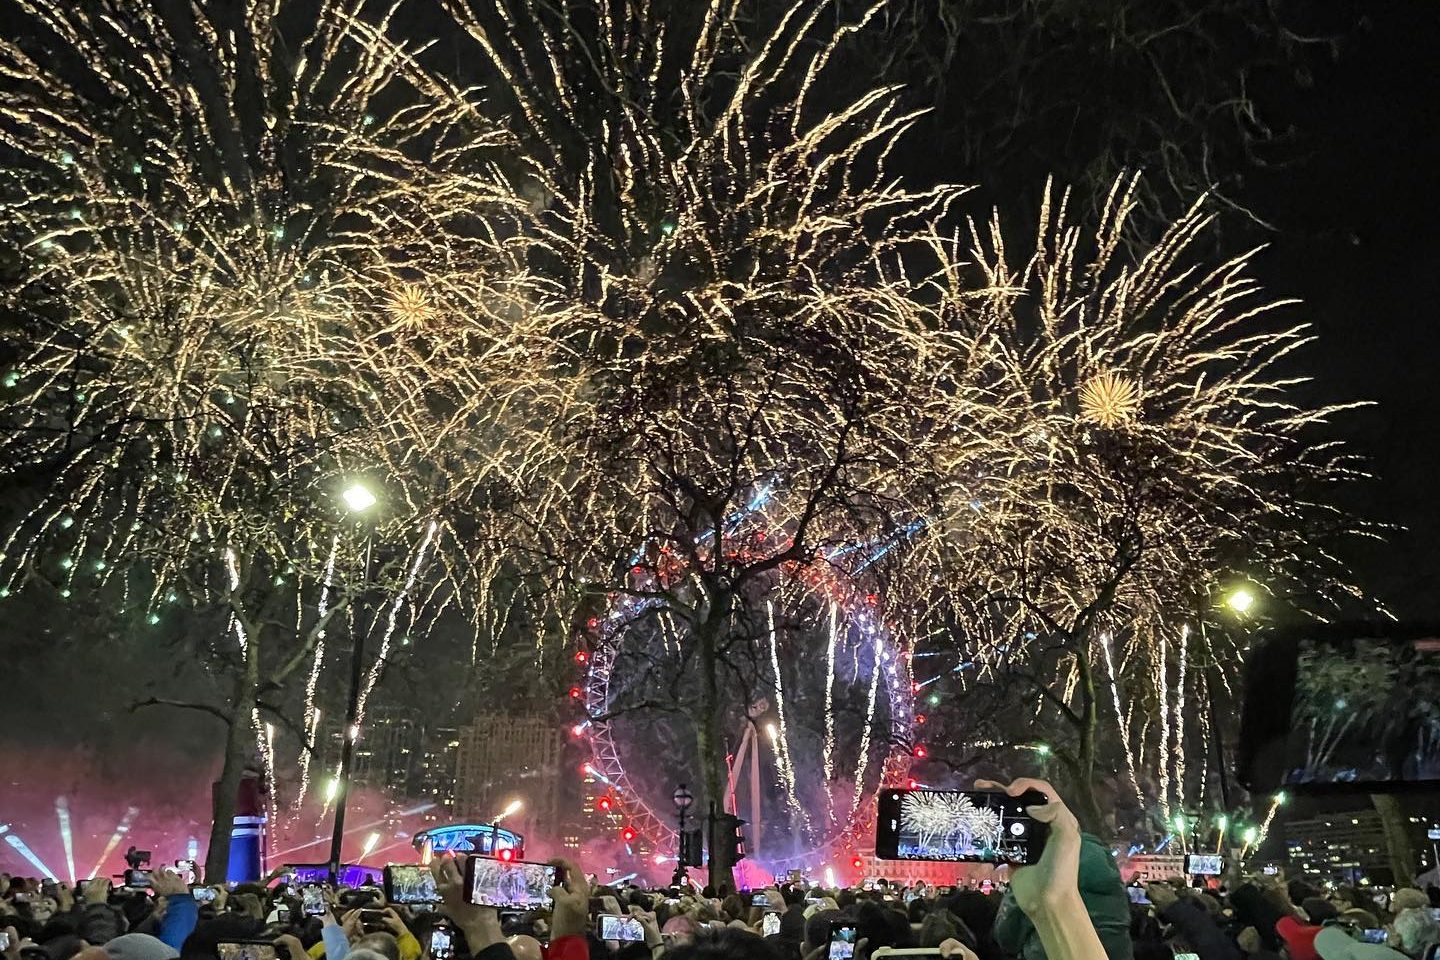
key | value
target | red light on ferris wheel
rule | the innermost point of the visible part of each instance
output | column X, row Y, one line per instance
column 604, row 804
column 627, row 834
column 920, row 752
column 576, row 693
column 581, row 656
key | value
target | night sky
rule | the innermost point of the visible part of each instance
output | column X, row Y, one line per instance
column 1357, row 241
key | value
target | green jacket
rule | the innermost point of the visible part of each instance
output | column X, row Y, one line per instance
column 1105, row 900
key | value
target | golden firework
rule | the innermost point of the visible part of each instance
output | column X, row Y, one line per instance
column 1110, row 400
column 410, row 305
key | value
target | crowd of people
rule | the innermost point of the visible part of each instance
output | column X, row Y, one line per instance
column 1071, row 905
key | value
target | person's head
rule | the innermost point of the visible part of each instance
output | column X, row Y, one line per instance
column 734, row 907
column 101, row 923
column 727, row 944
column 1407, row 898
column 526, row 948
column 817, row 929
column 679, row 930
column 937, row 927
column 1414, row 931
column 201, row 944
column 1363, row 919
column 139, row 946
column 1318, row 909
column 382, row 943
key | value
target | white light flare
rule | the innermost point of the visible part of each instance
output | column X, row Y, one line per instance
column 62, row 813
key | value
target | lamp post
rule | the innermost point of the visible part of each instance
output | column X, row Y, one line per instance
column 682, row 798
column 358, row 499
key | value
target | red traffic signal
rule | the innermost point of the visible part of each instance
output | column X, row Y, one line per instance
column 507, row 855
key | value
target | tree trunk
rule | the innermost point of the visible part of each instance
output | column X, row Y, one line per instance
column 1397, row 840
column 239, row 743
column 710, row 742
column 1083, row 800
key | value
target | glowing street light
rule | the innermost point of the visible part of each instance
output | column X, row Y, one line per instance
column 358, row 498
column 1241, row 600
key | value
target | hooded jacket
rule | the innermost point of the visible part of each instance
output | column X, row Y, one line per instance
column 1105, row 900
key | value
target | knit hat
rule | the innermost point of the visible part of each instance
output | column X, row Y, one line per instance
column 1332, row 943
column 140, row 946
column 1318, row 909
column 1408, row 897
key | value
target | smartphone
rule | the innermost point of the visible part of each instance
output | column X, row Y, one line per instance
column 1270, row 870
column 4, row 940
column 1374, row 935
column 410, row 883
column 186, row 870
column 842, row 941
column 760, row 900
column 282, row 913
column 442, row 943
column 868, row 883
column 1187, row 956
column 1204, row 864
column 373, row 921
column 770, row 925
column 515, row 884
column 137, row 879
column 1138, row 895
column 204, row 894
column 312, row 900
column 959, row 826
column 246, row 950
column 1331, row 709
column 622, row 929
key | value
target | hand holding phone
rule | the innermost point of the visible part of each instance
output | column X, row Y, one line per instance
column 843, row 937
column 621, row 929
column 959, row 826
column 442, row 943
column 770, row 925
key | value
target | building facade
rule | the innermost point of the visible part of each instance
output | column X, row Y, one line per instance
column 503, row 758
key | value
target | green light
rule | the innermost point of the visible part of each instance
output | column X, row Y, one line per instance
column 278, row 233
column 153, row 619
column 99, row 564
column 1250, row 834
column 65, row 593
column 136, row 168
column 66, row 522
column 934, row 699
column 668, row 228
column 66, row 563
column 1222, row 821
column 1280, row 797
column 4, row 592
column 1043, row 749
column 12, row 378
column 1180, row 823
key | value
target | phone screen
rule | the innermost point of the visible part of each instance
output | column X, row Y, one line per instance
column 1374, row 935
column 959, row 826
column 442, row 943
column 623, row 929
column 313, row 900
column 203, row 894
column 245, row 950
column 760, row 900
column 770, row 925
column 1204, row 864
column 514, row 884
column 410, row 883
column 842, row 941
column 1138, row 895
column 137, row 879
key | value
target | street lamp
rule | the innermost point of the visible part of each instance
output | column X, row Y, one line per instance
column 358, row 499
column 682, row 798
column 1241, row 600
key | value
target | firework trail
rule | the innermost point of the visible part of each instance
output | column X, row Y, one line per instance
column 863, row 762
column 1121, row 717
column 382, row 658
column 1180, row 714
column 829, row 747
column 312, row 714
column 1162, row 684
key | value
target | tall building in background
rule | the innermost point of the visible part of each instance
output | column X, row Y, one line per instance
column 400, row 755
column 502, row 758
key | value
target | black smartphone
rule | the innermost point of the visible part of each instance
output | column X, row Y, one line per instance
column 137, row 879
column 246, row 950
column 204, row 894
column 442, row 943
column 1374, row 935
column 515, row 884
column 282, row 913
column 186, row 870
column 1204, row 864
column 959, row 826
column 843, row 937
column 621, row 929
column 312, row 900
column 1341, row 708
column 373, row 921
column 760, row 900
column 410, row 883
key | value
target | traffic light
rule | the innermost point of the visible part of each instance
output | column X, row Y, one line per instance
column 692, row 849
column 728, row 837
